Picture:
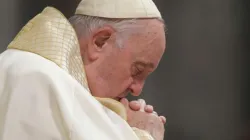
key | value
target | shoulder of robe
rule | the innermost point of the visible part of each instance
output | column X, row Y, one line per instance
column 21, row 65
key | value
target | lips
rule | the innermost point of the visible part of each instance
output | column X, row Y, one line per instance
column 120, row 97
column 117, row 98
column 123, row 95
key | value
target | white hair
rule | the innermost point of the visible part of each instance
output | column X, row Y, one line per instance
column 85, row 25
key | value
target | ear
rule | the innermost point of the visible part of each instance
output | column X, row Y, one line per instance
column 99, row 41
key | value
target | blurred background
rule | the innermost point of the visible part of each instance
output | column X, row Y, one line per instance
column 202, row 82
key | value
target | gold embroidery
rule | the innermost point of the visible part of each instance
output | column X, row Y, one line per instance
column 50, row 35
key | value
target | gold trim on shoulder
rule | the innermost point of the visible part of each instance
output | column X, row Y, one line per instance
column 50, row 35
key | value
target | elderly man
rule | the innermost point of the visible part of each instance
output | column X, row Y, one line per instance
column 65, row 80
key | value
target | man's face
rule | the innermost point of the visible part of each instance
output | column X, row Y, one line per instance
column 117, row 71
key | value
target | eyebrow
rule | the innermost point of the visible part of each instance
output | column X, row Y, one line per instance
column 145, row 64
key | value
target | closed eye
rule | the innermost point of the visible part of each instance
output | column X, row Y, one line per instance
column 138, row 69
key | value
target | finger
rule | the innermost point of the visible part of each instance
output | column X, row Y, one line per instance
column 149, row 109
column 142, row 105
column 155, row 113
column 125, row 102
column 163, row 119
column 135, row 105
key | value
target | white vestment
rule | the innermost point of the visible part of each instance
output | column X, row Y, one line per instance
column 41, row 94
column 40, row 101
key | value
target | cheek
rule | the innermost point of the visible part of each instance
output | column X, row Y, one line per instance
column 119, row 72
column 123, row 76
column 125, row 84
column 121, row 79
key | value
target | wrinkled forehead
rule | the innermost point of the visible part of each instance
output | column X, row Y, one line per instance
column 151, row 37
column 151, row 33
column 149, row 44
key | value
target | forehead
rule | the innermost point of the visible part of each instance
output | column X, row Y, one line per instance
column 148, row 45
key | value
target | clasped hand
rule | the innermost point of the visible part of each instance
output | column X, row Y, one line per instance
column 143, row 116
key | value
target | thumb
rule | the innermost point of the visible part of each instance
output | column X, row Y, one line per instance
column 125, row 102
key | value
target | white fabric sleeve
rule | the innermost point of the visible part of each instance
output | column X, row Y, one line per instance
column 30, row 110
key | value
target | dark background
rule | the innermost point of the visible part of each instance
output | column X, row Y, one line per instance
column 202, row 82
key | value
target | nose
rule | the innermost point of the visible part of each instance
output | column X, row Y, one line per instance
column 136, row 88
